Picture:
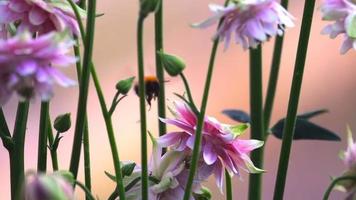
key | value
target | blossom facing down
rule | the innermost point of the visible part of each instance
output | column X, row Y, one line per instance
column 343, row 14
column 249, row 22
column 28, row 66
column 220, row 146
column 39, row 15
column 48, row 187
column 168, row 176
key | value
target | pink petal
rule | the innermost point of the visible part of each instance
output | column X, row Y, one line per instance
column 37, row 16
column 209, row 154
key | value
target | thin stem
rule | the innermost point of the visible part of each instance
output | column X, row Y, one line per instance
column 17, row 165
column 88, row 194
column 5, row 135
column 189, row 93
column 334, row 182
column 111, row 135
column 273, row 77
column 228, row 181
column 159, row 69
column 107, row 118
column 84, row 87
column 198, row 132
column 42, row 139
column 50, row 141
column 288, row 130
column 256, row 99
column 86, row 147
column 141, row 74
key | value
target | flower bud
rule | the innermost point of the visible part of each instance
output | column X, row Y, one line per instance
column 124, row 86
column 62, row 123
column 172, row 64
column 203, row 194
column 48, row 187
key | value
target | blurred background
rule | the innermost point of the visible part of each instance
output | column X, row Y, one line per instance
column 328, row 83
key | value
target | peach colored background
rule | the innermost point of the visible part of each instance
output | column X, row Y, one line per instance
column 329, row 83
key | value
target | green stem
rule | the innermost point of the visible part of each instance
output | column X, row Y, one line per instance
column 17, row 165
column 5, row 134
column 84, row 87
column 334, row 182
column 87, row 191
column 198, row 132
column 42, row 139
column 159, row 69
column 86, row 147
column 107, row 117
column 228, row 181
column 141, row 74
column 189, row 93
column 273, row 78
column 111, row 135
column 288, row 130
column 50, row 141
column 256, row 110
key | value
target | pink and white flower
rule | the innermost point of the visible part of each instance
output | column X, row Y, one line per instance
column 250, row 22
column 39, row 15
column 220, row 148
column 343, row 14
column 28, row 66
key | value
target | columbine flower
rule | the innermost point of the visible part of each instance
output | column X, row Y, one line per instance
column 39, row 15
column 343, row 13
column 349, row 158
column 168, row 176
column 28, row 66
column 48, row 187
column 220, row 146
column 250, row 22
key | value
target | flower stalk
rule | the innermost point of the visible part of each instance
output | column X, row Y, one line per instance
column 288, row 130
column 84, row 86
column 228, row 181
column 256, row 99
column 42, row 139
column 159, row 68
column 334, row 183
column 141, row 74
column 53, row 152
column 17, row 165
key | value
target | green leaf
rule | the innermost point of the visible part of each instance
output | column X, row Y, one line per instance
column 62, row 123
column 110, row 176
column 237, row 115
column 127, row 169
column 312, row 114
column 305, row 130
column 350, row 22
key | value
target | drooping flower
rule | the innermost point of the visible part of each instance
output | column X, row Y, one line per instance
column 28, row 66
column 343, row 14
column 168, row 176
column 48, row 187
column 220, row 148
column 249, row 22
column 39, row 15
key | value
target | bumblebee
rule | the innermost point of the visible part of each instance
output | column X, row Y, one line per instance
column 152, row 88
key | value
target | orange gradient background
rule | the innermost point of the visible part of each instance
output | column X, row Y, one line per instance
column 328, row 83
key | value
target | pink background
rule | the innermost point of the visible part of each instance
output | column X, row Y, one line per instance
column 328, row 83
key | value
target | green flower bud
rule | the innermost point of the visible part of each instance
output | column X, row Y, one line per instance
column 62, row 123
column 148, row 6
column 203, row 194
column 124, row 86
column 172, row 64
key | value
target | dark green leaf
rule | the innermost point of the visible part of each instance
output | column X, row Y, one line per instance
column 127, row 169
column 111, row 177
column 311, row 114
column 237, row 115
column 305, row 130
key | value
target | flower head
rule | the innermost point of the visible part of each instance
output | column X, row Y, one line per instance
column 220, row 146
column 250, row 22
column 343, row 13
column 48, row 187
column 28, row 66
column 39, row 15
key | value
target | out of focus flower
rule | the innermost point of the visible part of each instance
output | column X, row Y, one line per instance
column 48, row 187
column 39, row 15
column 220, row 147
column 168, row 176
column 343, row 14
column 28, row 66
column 3, row 31
column 249, row 22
